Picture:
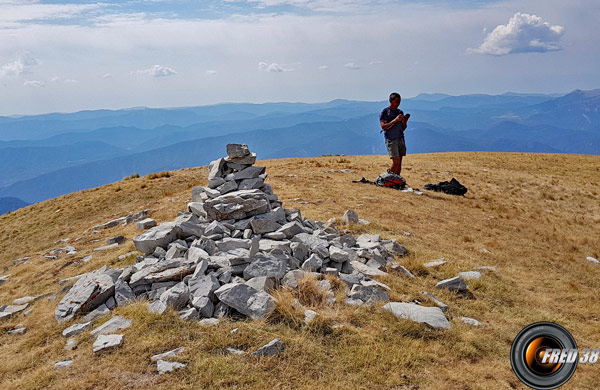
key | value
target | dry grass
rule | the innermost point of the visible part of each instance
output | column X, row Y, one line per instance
column 538, row 215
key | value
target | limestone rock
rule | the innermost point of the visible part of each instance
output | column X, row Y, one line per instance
column 271, row 267
column 146, row 224
column 89, row 292
column 432, row 316
column 350, row 216
column 160, row 235
column 76, row 329
column 107, row 341
column 112, row 325
column 453, row 284
column 272, row 348
column 164, row 366
column 171, row 353
column 247, row 300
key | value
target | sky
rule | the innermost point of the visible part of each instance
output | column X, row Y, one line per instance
column 65, row 56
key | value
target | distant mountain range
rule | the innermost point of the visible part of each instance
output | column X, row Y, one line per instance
column 44, row 156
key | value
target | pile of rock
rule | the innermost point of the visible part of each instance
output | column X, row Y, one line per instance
column 234, row 244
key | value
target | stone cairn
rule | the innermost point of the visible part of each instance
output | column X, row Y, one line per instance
column 234, row 244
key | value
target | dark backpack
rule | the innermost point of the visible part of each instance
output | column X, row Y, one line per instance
column 452, row 187
column 391, row 180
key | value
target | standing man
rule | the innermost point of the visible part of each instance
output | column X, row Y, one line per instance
column 393, row 124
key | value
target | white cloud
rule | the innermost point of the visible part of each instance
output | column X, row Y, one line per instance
column 523, row 33
column 274, row 67
column 34, row 83
column 351, row 65
column 27, row 10
column 323, row 67
column 21, row 65
column 211, row 72
column 158, row 71
column 375, row 62
column 107, row 76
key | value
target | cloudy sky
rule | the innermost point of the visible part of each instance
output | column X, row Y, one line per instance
column 72, row 55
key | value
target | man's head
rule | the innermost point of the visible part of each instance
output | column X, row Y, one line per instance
column 395, row 100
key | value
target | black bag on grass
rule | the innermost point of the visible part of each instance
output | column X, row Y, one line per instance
column 452, row 187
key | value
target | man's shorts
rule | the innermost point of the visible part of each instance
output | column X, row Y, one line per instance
column 396, row 148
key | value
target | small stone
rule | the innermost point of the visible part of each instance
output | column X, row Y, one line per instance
column 593, row 260
column 204, row 306
column 146, row 224
column 189, row 314
column 470, row 321
column 309, row 316
column 171, row 353
column 350, row 216
column 116, row 240
column 247, row 300
column 112, row 325
column 107, row 341
column 272, row 348
column 163, row 366
column 24, row 300
column 435, row 263
column 470, row 275
column 76, row 329
column 63, row 364
column 17, row 331
column 71, row 344
column 438, row 303
column 98, row 312
column 234, row 351
column 453, row 284
column 105, row 247
column 209, row 321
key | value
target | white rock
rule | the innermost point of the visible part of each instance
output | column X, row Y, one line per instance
column 470, row 275
column 470, row 321
column 112, row 325
column 309, row 316
column 63, row 364
column 76, row 329
column 107, row 341
column 432, row 316
column 163, row 366
column 272, row 348
column 593, row 260
column 173, row 352
column 435, row 263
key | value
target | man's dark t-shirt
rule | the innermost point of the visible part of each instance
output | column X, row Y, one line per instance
column 395, row 132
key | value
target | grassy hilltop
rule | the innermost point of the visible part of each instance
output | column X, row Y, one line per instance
column 537, row 216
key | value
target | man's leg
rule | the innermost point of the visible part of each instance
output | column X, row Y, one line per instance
column 396, row 164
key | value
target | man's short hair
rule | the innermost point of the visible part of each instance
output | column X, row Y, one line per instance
column 394, row 96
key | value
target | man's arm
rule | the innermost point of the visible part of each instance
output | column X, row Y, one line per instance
column 388, row 125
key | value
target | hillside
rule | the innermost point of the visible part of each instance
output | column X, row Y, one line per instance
column 536, row 215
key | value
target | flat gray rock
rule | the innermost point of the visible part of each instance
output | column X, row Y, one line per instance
column 237, row 205
column 204, row 306
column 432, row 316
column 123, row 293
column 177, row 296
column 271, row 267
column 164, row 366
column 160, row 235
column 90, row 291
column 470, row 275
column 17, row 331
column 350, row 216
column 272, row 348
column 237, row 150
column 146, row 224
column 98, row 312
column 437, row 302
column 435, row 263
column 171, row 353
column 247, row 300
column 366, row 270
column 368, row 294
column 453, row 284
column 76, row 329
column 261, row 226
column 112, row 325
column 63, row 364
column 107, row 341
column 203, row 286
column 470, row 321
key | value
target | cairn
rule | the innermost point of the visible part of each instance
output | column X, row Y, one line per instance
column 233, row 245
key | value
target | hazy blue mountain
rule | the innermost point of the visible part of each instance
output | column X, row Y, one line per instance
column 69, row 152
column 19, row 163
column 9, row 204
column 578, row 110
